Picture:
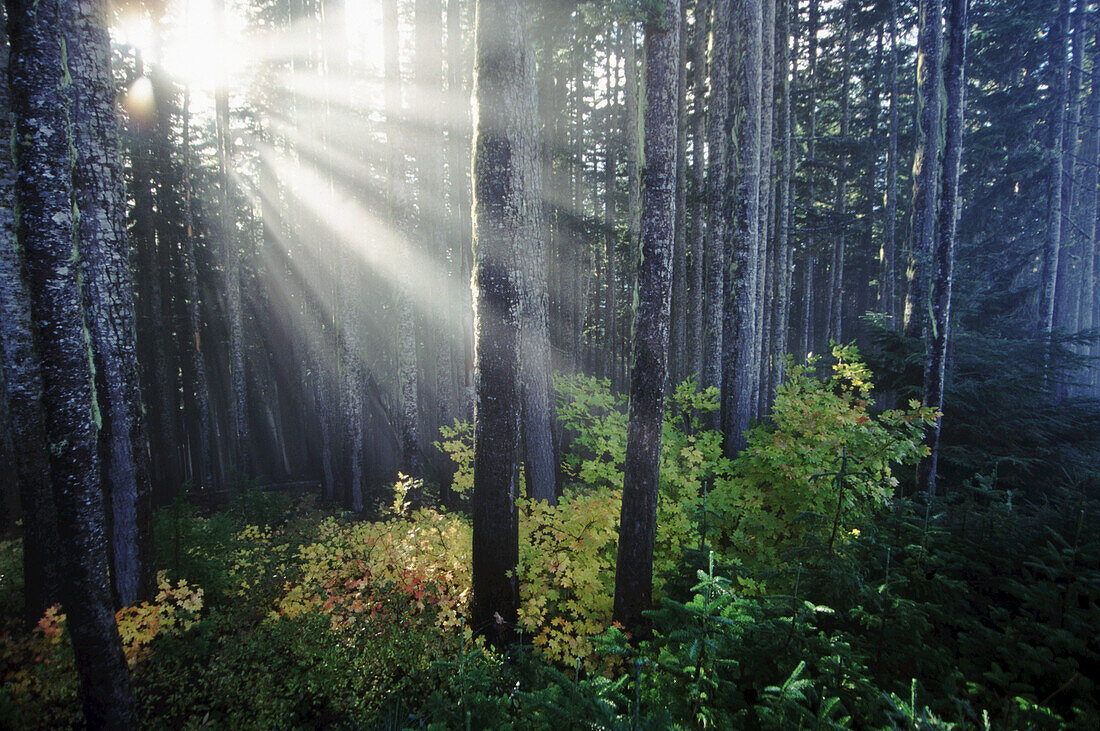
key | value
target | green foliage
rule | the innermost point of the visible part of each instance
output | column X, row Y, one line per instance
column 824, row 453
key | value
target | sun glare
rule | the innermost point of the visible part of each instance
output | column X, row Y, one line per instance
column 197, row 53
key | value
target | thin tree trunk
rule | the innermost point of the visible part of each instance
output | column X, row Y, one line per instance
column 937, row 341
column 698, row 192
column 836, row 279
column 718, row 133
column 458, row 162
column 678, row 333
column 926, row 168
column 780, row 324
column 1088, row 208
column 206, row 472
column 427, row 86
column 238, row 402
column 764, row 255
column 152, row 320
column 1053, row 244
column 1068, row 283
column 810, row 253
column 888, row 272
column 40, row 94
column 648, row 373
column 407, row 372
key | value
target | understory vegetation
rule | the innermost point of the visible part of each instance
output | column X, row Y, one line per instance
column 798, row 586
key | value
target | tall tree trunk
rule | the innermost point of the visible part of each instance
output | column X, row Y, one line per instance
column 108, row 302
column 1053, row 245
column 23, row 383
column 926, row 168
column 238, row 401
column 206, row 463
column 153, row 321
column 407, row 372
column 944, row 256
column 1069, row 283
column 649, row 371
column 427, row 86
column 698, row 192
column 780, row 323
column 764, row 253
column 635, row 162
column 41, row 91
column 532, row 263
column 810, row 251
column 678, row 333
column 506, row 227
column 836, row 278
column 888, row 273
column 718, row 133
column 458, row 163
column 738, row 335
column 1088, row 208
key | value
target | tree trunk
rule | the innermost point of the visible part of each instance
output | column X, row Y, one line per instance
column 678, row 349
column 648, row 373
column 427, row 90
column 23, row 382
column 780, row 323
column 764, row 253
column 108, row 302
column 718, row 133
column 151, row 317
column 738, row 380
column 458, row 163
column 206, row 479
column 1088, row 208
column 698, row 192
column 407, row 372
column 506, row 227
column 938, row 338
column 809, row 341
column 888, row 272
column 926, row 168
column 1069, row 283
column 836, row 278
column 238, row 401
column 41, row 92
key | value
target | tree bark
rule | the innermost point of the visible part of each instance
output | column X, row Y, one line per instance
column 926, row 168
column 648, row 373
column 1088, row 208
column 780, row 322
column 764, row 255
column 23, row 383
column 506, row 226
column 888, row 272
column 678, row 347
column 108, row 301
column 739, row 332
column 938, row 339
column 698, row 192
column 718, row 133
column 41, row 92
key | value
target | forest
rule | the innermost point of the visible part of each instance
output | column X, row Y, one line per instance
column 617, row 364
